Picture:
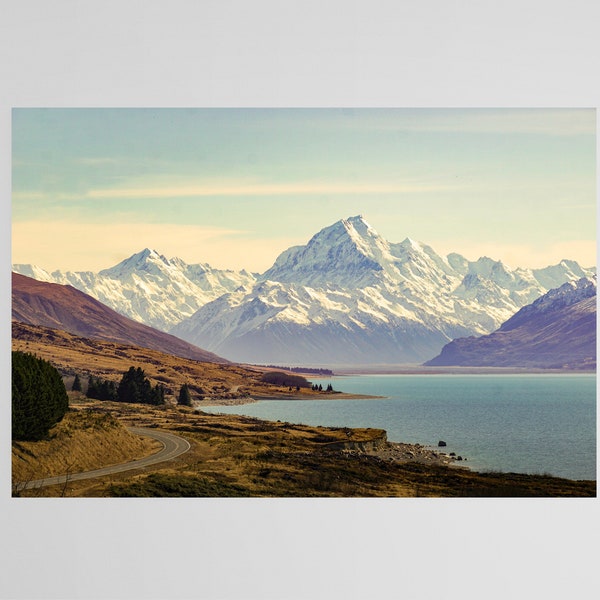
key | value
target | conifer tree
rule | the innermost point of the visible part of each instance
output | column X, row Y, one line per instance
column 76, row 387
column 185, row 398
column 136, row 387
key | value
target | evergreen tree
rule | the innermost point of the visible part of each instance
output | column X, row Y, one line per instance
column 101, row 389
column 76, row 387
column 39, row 397
column 131, row 387
column 157, row 395
column 185, row 398
column 136, row 387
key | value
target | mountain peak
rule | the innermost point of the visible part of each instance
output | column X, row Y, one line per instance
column 344, row 252
column 135, row 261
column 357, row 221
column 410, row 244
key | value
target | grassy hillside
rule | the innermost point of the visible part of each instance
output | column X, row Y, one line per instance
column 85, row 439
column 72, row 354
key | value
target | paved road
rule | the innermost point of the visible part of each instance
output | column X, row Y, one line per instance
column 173, row 446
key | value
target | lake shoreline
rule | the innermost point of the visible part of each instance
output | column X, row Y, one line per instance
column 477, row 416
column 292, row 397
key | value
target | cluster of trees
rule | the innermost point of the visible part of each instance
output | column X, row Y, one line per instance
column 136, row 387
column 313, row 370
column 101, row 389
column 39, row 397
column 319, row 388
column 285, row 379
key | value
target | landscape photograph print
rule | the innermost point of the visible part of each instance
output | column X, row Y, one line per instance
column 303, row 302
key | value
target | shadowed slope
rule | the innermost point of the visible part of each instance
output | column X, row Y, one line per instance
column 63, row 307
column 556, row 331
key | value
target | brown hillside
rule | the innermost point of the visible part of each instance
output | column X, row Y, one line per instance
column 65, row 308
column 72, row 354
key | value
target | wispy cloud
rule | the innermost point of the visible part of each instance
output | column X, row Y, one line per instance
column 502, row 121
column 97, row 161
column 261, row 189
column 540, row 121
column 29, row 195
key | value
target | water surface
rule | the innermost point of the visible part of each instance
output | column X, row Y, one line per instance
column 521, row 423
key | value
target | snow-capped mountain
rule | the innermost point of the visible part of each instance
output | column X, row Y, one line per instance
column 347, row 296
column 556, row 330
column 148, row 287
column 350, row 296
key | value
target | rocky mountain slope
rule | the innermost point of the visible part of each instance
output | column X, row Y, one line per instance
column 350, row 296
column 558, row 330
column 65, row 308
column 347, row 296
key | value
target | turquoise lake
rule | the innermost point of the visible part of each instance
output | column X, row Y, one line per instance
column 513, row 423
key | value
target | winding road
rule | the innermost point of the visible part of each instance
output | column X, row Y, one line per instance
column 173, row 446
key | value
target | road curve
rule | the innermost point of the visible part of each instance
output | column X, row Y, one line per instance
column 173, row 446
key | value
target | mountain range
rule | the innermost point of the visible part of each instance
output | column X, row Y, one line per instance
column 148, row 287
column 346, row 297
column 557, row 330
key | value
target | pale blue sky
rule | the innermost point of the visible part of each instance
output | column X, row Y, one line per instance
column 235, row 187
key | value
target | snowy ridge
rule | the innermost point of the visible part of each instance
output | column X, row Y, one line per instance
column 148, row 287
column 556, row 331
column 347, row 296
column 566, row 295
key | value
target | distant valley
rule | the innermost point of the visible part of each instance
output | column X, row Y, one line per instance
column 346, row 297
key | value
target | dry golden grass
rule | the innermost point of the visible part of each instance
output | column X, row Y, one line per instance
column 239, row 456
column 84, row 440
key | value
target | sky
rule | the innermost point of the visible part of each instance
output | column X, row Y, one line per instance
column 235, row 187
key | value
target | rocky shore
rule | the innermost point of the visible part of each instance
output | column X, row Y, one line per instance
column 393, row 452
column 403, row 453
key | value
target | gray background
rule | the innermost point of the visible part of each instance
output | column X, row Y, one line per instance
column 286, row 53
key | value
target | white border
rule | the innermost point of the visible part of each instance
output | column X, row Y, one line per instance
column 291, row 53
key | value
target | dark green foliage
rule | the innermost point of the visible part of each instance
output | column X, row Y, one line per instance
column 76, row 387
column 184, row 396
column 101, row 389
column 157, row 395
column 39, row 397
column 135, row 387
column 285, row 379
